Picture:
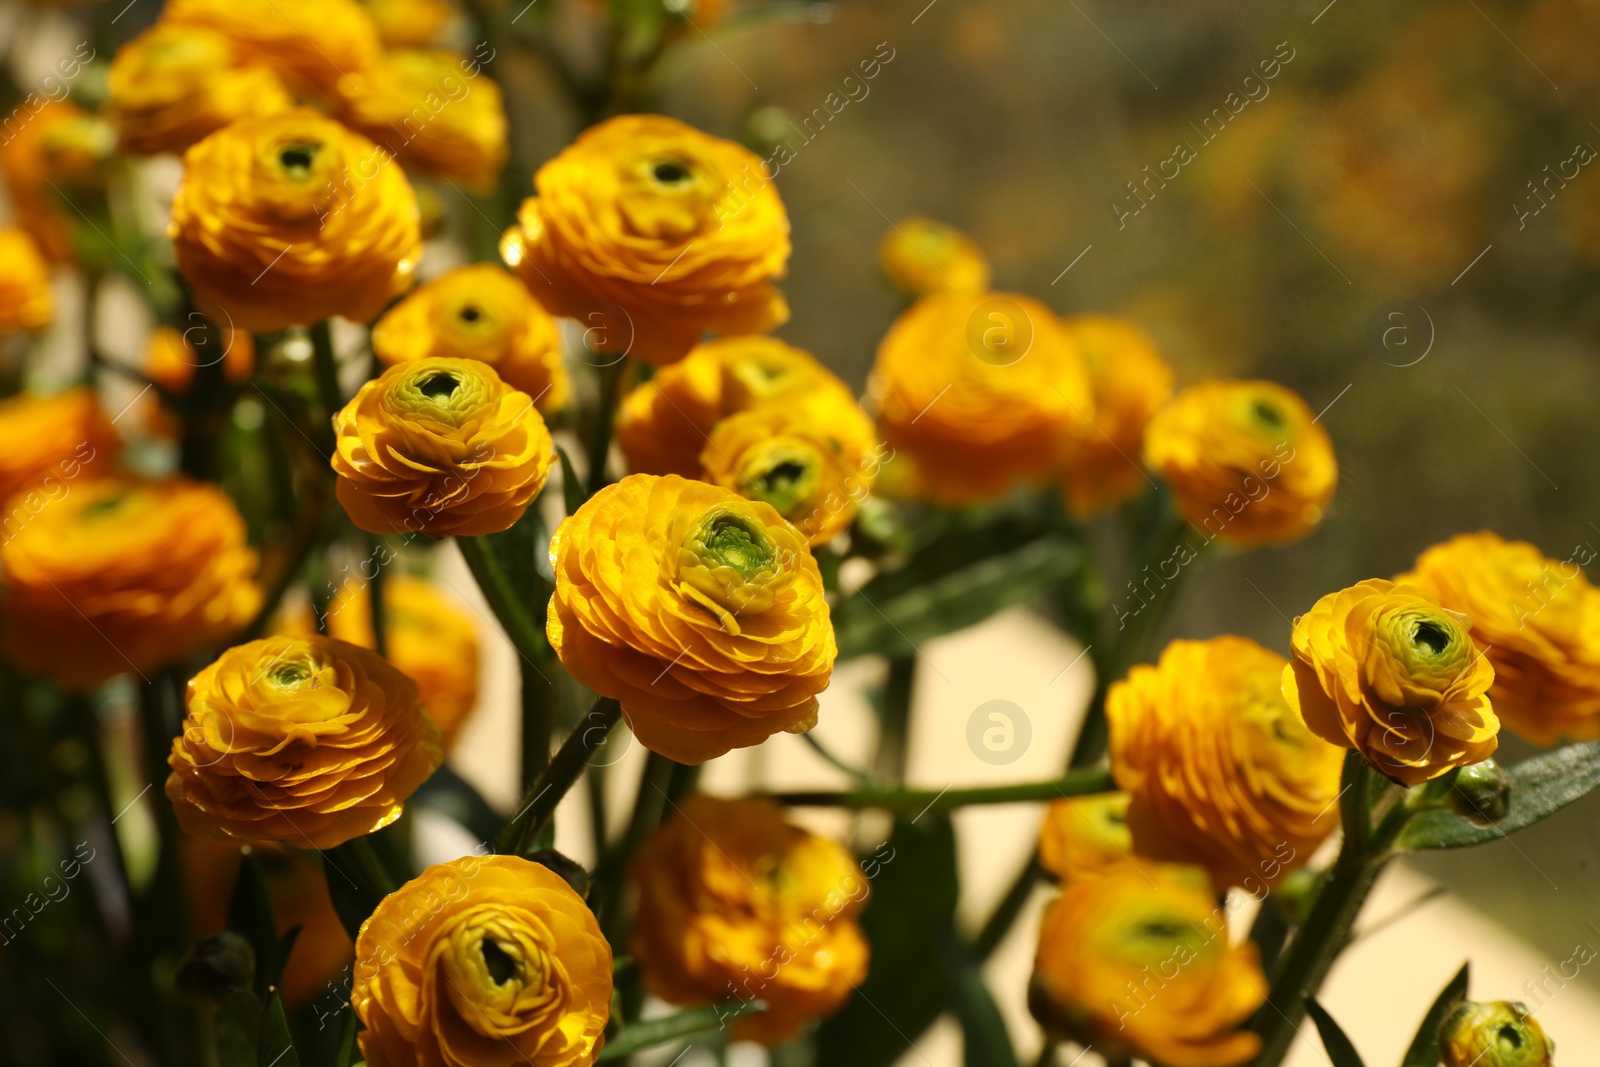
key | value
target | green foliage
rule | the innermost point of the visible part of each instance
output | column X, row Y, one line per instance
column 1424, row 1050
column 1341, row 1053
column 1540, row 787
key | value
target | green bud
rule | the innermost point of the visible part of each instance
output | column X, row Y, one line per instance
column 1482, row 793
column 215, row 966
column 1495, row 1034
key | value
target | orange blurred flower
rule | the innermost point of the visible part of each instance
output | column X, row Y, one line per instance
column 48, row 442
column 26, row 302
column 316, row 41
column 1131, row 382
column 922, row 255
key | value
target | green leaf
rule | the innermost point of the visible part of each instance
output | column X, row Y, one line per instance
column 1340, row 1051
column 956, row 582
column 280, row 958
column 642, row 1035
column 571, row 484
column 448, row 793
column 914, row 890
column 1540, row 787
column 357, row 882
column 345, row 1055
column 275, row 1047
column 985, row 1041
column 1424, row 1050
column 250, row 916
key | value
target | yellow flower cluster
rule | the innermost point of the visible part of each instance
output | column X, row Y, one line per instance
column 291, row 219
column 977, row 391
column 482, row 960
column 479, row 312
column 1386, row 670
column 123, row 576
column 737, row 904
column 1220, row 771
column 1138, row 963
column 1246, row 461
column 652, row 233
column 701, row 612
column 1538, row 621
column 306, row 741
column 25, row 299
column 442, row 447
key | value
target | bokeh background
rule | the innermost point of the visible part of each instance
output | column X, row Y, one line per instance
column 1394, row 208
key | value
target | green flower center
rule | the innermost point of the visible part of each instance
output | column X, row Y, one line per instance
column 671, row 172
column 442, row 384
column 499, row 963
column 297, row 159
column 99, row 509
column 290, row 675
column 470, row 313
column 1430, row 635
column 1268, row 415
column 787, row 484
column 1510, row 1038
column 734, row 541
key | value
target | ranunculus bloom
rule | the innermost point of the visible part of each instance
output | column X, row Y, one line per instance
column 50, row 444
column 291, row 219
column 490, row 960
column 174, row 84
column 316, row 41
column 653, row 233
column 814, row 477
column 922, row 255
column 427, row 635
column 306, row 741
column 977, row 391
column 662, row 426
column 440, row 446
column 433, row 111
column 1221, row 772
column 737, row 904
column 119, row 576
column 25, row 299
column 1102, row 468
column 35, row 206
column 1085, row 837
column 1498, row 1033
column 412, row 23
column 701, row 612
column 1539, row 622
column 1245, row 460
column 1138, row 964
column 1386, row 670
column 479, row 312
column 172, row 362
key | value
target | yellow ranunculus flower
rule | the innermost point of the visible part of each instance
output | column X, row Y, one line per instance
column 701, row 612
column 171, row 361
column 174, row 84
column 737, row 904
column 35, row 206
column 1138, row 963
column 663, row 425
column 812, row 476
column 978, row 390
column 433, row 110
column 653, row 233
column 1495, row 1034
column 922, row 255
column 483, row 960
column 291, row 219
column 26, row 302
column 120, row 575
column 428, row 636
column 440, row 446
column 1384, row 669
column 412, row 23
column 1539, row 622
column 50, row 444
column 1246, row 461
column 306, row 741
column 1221, row 771
column 479, row 312
column 316, row 41
column 1085, row 837
column 1101, row 468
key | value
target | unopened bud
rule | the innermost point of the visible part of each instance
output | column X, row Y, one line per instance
column 215, row 966
column 1496, row 1034
column 1482, row 793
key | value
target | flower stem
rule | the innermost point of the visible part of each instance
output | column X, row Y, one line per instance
column 916, row 801
column 522, row 833
column 889, row 762
column 503, row 600
column 599, row 447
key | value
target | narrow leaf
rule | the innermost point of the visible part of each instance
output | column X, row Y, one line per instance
column 1540, row 787
column 250, row 915
column 642, row 1035
column 571, row 484
column 985, row 1041
column 276, row 1047
column 1340, row 1051
column 1424, row 1050
column 345, row 1056
column 280, row 958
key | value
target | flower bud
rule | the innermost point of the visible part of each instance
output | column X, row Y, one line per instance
column 1496, row 1034
column 1481, row 793
column 215, row 966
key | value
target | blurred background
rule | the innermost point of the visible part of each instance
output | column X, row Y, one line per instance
column 1392, row 208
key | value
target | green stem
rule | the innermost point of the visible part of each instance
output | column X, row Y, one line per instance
column 889, row 762
column 605, row 417
column 914, row 801
column 380, row 614
column 546, row 792
column 325, row 367
column 648, row 807
column 503, row 600
column 537, row 697
column 1005, row 913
